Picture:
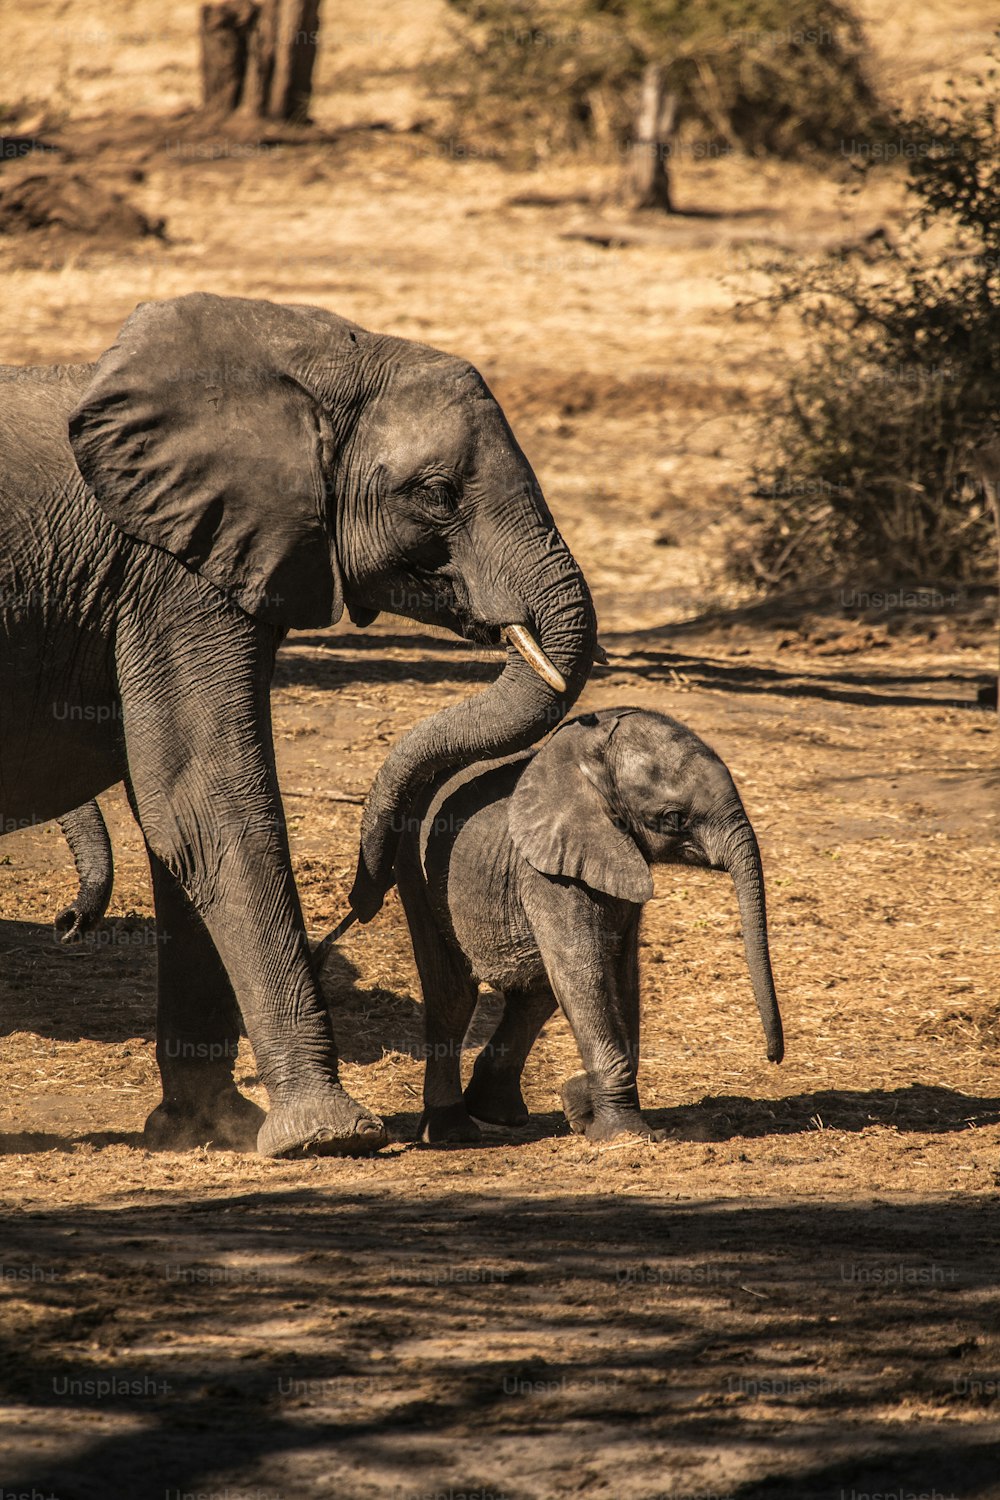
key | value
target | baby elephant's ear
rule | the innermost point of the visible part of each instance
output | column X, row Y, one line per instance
column 562, row 825
column 197, row 435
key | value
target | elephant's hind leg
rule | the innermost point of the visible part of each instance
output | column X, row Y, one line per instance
column 197, row 1034
column 449, row 993
column 494, row 1093
column 445, row 1118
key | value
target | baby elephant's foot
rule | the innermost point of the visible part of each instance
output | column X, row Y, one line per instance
column 607, row 1123
column 496, row 1098
column 447, row 1125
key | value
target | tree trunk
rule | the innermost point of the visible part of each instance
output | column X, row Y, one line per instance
column 259, row 57
column 260, row 62
column 989, row 471
column 296, row 28
column 654, row 126
column 225, row 33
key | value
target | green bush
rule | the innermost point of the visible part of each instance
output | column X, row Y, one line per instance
column 775, row 76
column 874, row 451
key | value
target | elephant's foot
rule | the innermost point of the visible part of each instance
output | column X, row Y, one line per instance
column 496, row 1097
column 607, row 1123
column 229, row 1122
column 447, row 1125
column 608, row 1127
column 577, row 1102
column 329, row 1124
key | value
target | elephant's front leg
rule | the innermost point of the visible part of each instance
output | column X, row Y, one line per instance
column 195, row 694
column 197, row 1033
column 591, row 955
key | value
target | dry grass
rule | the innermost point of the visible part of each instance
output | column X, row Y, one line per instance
column 633, row 391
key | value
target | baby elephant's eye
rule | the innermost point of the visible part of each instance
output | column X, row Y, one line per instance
column 670, row 822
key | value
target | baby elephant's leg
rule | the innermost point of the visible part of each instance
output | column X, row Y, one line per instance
column 598, row 989
column 449, row 1003
column 494, row 1093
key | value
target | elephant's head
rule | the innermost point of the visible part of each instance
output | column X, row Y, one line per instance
column 303, row 465
column 613, row 792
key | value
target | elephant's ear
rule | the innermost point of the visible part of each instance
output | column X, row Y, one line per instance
column 561, row 823
column 196, row 435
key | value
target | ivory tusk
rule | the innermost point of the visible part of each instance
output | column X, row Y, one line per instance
column 600, row 655
column 522, row 640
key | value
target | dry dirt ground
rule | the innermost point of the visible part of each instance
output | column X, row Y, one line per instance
column 795, row 1295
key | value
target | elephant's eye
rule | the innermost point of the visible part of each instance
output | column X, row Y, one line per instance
column 669, row 822
column 438, row 492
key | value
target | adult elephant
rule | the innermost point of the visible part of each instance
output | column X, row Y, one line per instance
column 229, row 470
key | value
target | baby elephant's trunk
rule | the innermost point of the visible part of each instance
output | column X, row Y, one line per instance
column 742, row 860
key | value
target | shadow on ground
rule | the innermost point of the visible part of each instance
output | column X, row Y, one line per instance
column 405, row 1343
column 103, row 988
column 925, row 1108
column 836, row 684
column 920, row 1109
column 913, row 607
column 644, row 653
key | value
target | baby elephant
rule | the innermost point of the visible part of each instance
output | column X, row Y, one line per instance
column 530, row 874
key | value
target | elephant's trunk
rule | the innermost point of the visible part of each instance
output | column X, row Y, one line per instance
column 741, row 858
column 513, row 712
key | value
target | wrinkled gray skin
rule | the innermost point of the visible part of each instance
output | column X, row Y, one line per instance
column 87, row 835
column 531, row 875
column 230, row 470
